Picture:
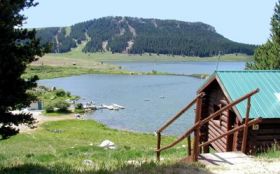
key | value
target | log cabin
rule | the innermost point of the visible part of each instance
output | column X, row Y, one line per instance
column 223, row 87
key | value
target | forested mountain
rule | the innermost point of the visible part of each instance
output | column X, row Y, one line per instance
column 137, row 36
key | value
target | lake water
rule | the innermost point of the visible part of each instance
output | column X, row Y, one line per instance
column 182, row 67
column 148, row 100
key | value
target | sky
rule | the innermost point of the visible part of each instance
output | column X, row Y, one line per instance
column 246, row 21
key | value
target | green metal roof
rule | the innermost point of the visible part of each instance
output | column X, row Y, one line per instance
column 266, row 103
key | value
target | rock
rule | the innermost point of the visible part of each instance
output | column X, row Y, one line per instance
column 107, row 144
column 134, row 162
column 161, row 159
column 88, row 162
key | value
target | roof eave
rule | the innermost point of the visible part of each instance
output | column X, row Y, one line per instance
column 229, row 100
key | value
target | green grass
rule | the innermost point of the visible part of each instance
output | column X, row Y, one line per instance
column 109, row 57
column 49, row 72
column 76, row 63
column 62, row 146
column 54, row 114
column 270, row 154
column 273, row 152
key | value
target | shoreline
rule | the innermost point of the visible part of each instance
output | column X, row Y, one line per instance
column 40, row 119
column 51, row 72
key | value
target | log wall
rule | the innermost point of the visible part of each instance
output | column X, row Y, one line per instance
column 262, row 139
column 213, row 101
column 258, row 140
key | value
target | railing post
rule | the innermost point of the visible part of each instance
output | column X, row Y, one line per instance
column 189, row 145
column 158, row 145
column 196, row 142
column 245, row 130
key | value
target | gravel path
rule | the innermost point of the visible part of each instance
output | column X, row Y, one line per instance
column 239, row 163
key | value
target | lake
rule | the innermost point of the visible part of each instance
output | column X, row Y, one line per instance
column 148, row 100
column 182, row 67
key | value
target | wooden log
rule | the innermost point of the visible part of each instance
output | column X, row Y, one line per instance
column 250, row 123
column 221, row 144
column 196, row 148
column 224, row 118
column 265, row 131
column 245, row 131
column 217, row 147
column 224, row 125
column 224, row 102
column 214, row 135
column 189, row 145
column 221, row 141
column 272, row 121
column 158, row 145
column 186, row 134
column 267, row 137
column 259, row 142
column 228, row 106
column 216, row 124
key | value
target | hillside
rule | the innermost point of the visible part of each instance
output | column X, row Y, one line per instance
column 138, row 36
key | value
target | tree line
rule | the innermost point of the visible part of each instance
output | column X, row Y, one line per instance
column 146, row 35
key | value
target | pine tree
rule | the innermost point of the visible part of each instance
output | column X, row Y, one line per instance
column 267, row 56
column 18, row 48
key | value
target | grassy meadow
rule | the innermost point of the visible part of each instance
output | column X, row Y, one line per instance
column 77, row 63
column 49, row 72
column 109, row 57
column 67, row 146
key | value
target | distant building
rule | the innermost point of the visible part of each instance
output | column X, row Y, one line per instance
column 36, row 105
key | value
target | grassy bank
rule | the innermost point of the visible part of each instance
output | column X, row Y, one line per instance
column 77, row 63
column 109, row 57
column 49, row 72
column 63, row 147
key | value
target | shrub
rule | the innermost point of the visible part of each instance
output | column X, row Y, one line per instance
column 79, row 106
column 62, row 106
column 68, row 94
column 60, row 93
column 49, row 108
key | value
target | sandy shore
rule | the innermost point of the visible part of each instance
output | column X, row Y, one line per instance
column 40, row 118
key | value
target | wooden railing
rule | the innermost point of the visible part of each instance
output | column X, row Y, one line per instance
column 198, row 123
column 165, row 125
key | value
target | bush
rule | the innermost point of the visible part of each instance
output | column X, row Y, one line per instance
column 60, row 93
column 49, row 108
column 79, row 106
column 62, row 106
column 68, row 94
column 58, row 105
